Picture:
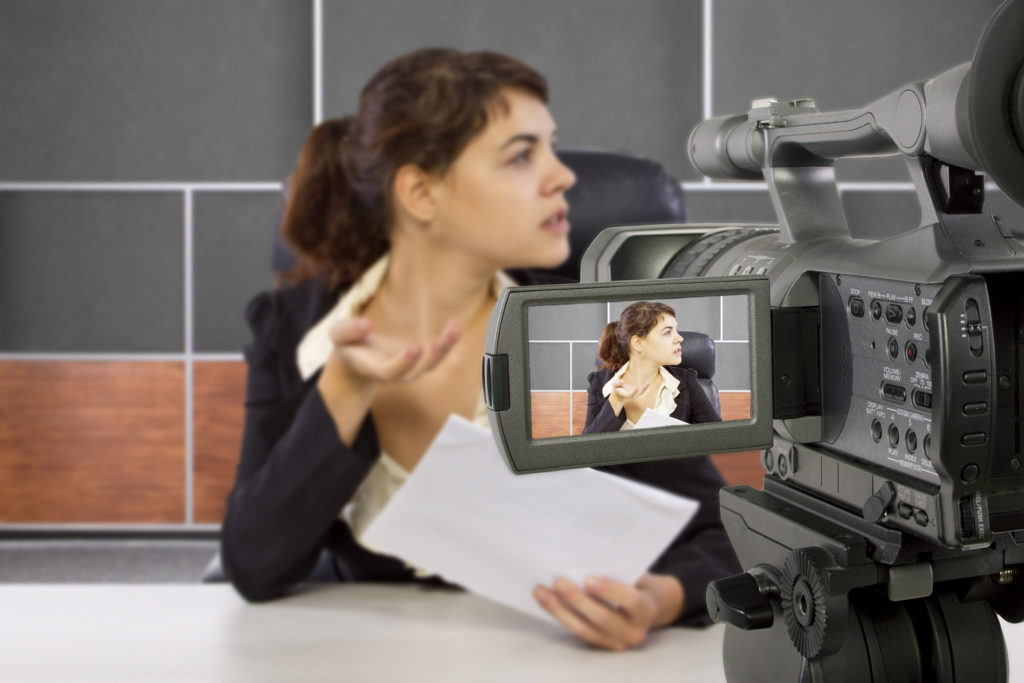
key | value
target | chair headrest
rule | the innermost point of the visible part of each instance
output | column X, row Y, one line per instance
column 615, row 189
column 698, row 353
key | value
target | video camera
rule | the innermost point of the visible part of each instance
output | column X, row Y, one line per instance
column 886, row 380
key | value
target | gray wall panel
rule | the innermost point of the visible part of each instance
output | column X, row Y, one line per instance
column 234, row 233
column 153, row 89
column 842, row 54
column 549, row 366
column 732, row 367
column 93, row 272
column 567, row 321
column 623, row 75
column 584, row 362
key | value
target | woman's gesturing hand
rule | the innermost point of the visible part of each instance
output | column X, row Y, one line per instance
column 361, row 360
column 368, row 356
column 627, row 391
column 613, row 615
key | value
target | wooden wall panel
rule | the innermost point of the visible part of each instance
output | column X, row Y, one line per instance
column 550, row 412
column 92, row 442
column 743, row 467
column 218, row 414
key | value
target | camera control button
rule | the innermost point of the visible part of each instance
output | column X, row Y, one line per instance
column 911, row 440
column 876, row 430
column 928, row 445
column 911, row 351
column 921, row 517
column 911, row 316
column 856, row 307
column 905, row 511
column 975, row 377
column 922, row 399
column 973, row 439
column 976, row 408
column 894, row 392
column 893, row 348
column 893, row 314
column 969, row 473
column 894, row 435
column 876, row 309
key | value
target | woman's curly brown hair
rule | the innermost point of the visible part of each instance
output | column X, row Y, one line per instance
column 422, row 109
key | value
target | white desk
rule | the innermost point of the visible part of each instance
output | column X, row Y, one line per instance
column 349, row 633
column 354, row 633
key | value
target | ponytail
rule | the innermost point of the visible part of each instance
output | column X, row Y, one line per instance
column 323, row 220
column 612, row 351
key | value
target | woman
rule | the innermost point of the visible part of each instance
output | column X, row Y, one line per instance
column 405, row 217
column 641, row 354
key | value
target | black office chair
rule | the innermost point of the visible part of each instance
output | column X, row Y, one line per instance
column 699, row 354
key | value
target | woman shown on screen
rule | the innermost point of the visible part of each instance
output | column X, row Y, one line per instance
column 641, row 352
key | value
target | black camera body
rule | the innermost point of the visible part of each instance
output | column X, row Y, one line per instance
column 889, row 533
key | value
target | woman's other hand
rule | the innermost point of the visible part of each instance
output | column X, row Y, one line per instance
column 362, row 359
column 627, row 391
column 613, row 615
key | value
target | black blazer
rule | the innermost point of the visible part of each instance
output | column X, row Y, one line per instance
column 692, row 404
column 295, row 475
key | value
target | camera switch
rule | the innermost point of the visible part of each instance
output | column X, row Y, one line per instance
column 922, row 399
column 894, row 392
column 973, row 439
column 976, row 408
column 975, row 377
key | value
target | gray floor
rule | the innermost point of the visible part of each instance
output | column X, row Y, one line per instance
column 104, row 561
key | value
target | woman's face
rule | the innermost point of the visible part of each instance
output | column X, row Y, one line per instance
column 663, row 345
column 503, row 198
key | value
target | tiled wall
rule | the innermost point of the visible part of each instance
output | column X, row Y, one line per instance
column 143, row 144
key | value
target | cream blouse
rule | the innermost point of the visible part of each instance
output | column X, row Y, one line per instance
column 386, row 476
column 664, row 403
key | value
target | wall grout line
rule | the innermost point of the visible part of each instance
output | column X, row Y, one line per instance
column 103, row 357
column 707, row 67
column 318, row 62
column 189, row 228
column 213, row 186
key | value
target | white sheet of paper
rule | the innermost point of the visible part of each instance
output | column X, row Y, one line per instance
column 652, row 418
column 464, row 516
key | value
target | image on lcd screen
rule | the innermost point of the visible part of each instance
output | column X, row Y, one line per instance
column 568, row 379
